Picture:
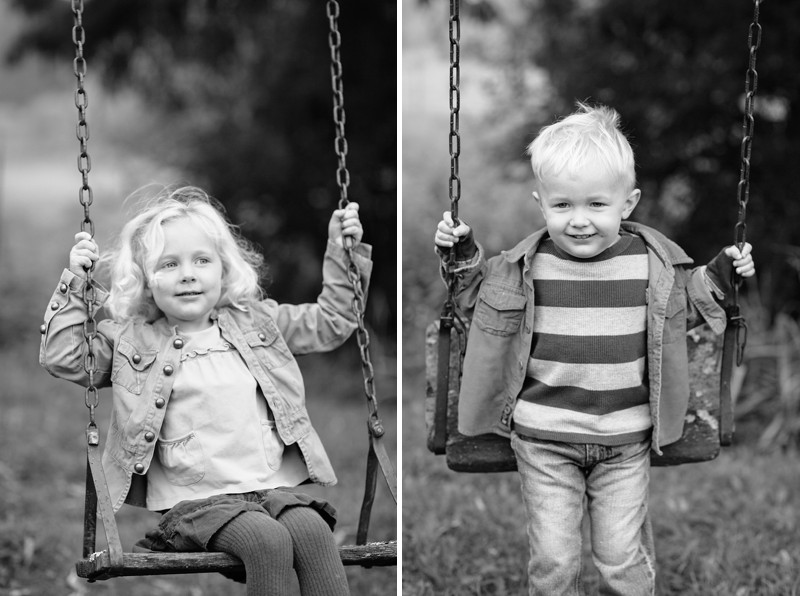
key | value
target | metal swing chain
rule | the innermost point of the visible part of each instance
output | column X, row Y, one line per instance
column 454, row 182
column 743, row 188
column 86, row 198
column 377, row 454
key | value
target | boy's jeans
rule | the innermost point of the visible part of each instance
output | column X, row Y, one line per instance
column 555, row 478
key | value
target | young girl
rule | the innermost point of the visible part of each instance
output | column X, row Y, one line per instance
column 209, row 424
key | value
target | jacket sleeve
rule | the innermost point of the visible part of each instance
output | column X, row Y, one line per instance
column 63, row 346
column 704, row 304
column 324, row 325
column 470, row 273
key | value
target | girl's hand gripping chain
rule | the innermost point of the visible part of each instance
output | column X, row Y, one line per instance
column 346, row 224
column 83, row 255
column 743, row 262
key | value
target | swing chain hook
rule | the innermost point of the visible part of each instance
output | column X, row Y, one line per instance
column 85, row 197
column 743, row 188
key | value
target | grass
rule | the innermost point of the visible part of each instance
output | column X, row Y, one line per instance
column 726, row 527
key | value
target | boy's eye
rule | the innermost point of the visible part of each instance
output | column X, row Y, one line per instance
column 598, row 204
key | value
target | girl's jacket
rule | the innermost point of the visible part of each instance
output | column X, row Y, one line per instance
column 138, row 360
column 497, row 295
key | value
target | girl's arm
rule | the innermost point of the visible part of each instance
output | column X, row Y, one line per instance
column 325, row 324
column 63, row 346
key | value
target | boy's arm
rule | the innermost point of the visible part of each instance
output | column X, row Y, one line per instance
column 470, row 270
column 325, row 324
column 710, row 289
column 63, row 346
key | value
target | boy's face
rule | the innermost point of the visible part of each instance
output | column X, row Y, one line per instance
column 583, row 212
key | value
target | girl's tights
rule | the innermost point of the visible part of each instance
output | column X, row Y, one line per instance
column 269, row 549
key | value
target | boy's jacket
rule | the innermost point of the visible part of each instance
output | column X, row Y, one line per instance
column 139, row 361
column 497, row 295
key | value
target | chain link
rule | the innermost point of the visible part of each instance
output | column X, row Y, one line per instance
column 85, row 197
column 743, row 188
column 343, row 181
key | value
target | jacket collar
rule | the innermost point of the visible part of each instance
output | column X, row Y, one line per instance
column 663, row 247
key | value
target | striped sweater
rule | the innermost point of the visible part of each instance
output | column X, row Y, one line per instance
column 587, row 377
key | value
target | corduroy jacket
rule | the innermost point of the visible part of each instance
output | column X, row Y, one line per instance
column 139, row 360
column 497, row 296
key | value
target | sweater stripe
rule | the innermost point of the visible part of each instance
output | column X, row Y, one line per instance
column 602, row 321
column 600, row 377
column 579, row 399
column 598, row 294
column 623, row 267
column 589, row 349
column 536, row 416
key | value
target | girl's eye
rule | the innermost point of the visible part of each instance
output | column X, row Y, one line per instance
column 203, row 261
column 168, row 265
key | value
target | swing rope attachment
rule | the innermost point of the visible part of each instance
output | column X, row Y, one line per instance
column 377, row 456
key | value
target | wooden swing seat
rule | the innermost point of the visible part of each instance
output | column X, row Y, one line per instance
column 707, row 425
column 98, row 566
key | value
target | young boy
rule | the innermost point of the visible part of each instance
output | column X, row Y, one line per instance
column 577, row 351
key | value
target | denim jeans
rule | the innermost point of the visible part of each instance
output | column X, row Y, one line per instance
column 614, row 480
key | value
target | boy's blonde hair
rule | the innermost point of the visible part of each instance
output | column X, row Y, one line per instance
column 141, row 243
column 591, row 133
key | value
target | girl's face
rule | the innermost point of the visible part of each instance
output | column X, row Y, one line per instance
column 187, row 280
column 583, row 212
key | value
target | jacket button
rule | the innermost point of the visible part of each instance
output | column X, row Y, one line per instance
column 54, row 306
column 149, row 436
column 262, row 337
column 160, row 402
column 168, row 370
column 178, row 343
column 63, row 288
column 136, row 358
column 138, row 468
column 43, row 329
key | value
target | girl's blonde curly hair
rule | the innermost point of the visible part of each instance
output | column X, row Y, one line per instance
column 141, row 243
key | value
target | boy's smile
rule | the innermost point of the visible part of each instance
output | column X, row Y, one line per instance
column 583, row 211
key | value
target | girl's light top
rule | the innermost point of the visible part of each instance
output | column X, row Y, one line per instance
column 218, row 434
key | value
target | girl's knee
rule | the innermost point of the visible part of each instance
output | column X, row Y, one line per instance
column 304, row 519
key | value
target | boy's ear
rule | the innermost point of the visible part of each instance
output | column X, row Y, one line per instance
column 630, row 202
column 537, row 198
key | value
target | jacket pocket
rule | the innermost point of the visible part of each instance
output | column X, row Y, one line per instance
column 182, row 460
column 273, row 445
column 499, row 310
column 268, row 346
column 131, row 366
column 675, row 318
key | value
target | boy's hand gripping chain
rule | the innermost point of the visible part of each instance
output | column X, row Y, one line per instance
column 377, row 456
column 736, row 332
